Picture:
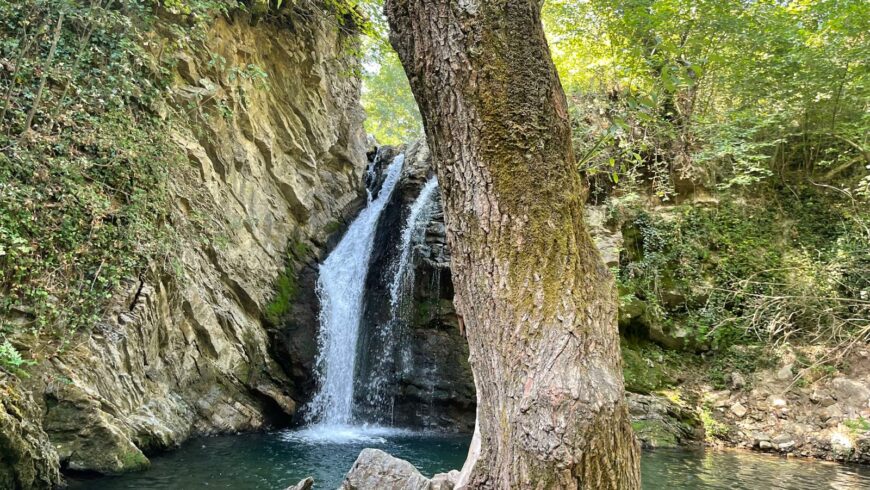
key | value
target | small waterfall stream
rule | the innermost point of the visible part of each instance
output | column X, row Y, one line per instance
column 412, row 234
column 393, row 357
column 341, row 288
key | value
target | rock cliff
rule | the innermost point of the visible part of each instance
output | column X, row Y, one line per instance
column 270, row 178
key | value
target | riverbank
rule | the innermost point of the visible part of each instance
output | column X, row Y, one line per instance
column 783, row 408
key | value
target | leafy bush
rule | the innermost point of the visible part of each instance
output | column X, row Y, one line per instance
column 780, row 267
column 10, row 358
column 687, row 93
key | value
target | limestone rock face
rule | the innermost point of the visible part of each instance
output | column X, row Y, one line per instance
column 27, row 458
column 187, row 353
column 377, row 469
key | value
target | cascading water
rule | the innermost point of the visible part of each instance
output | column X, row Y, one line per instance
column 412, row 234
column 390, row 360
column 341, row 286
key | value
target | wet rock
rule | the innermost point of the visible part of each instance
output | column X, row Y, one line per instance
column 306, row 484
column 783, row 442
column 87, row 438
column 425, row 379
column 861, row 454
column 661, row 423
column 761, row 440
column 841, row 446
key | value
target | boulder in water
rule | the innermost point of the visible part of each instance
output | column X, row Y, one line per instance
column 377, row 469
column 306, row 484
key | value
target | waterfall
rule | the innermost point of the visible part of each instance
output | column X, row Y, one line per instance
column 390, row 360
column 415, row 227
column 341, row 286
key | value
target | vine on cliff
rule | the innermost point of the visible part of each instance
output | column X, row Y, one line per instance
column 83, row 164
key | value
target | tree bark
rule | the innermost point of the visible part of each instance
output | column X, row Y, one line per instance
column 538, row 303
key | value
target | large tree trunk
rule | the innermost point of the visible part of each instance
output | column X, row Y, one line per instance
column 538, row 303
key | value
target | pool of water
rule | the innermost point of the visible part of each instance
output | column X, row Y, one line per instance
column 274, row 460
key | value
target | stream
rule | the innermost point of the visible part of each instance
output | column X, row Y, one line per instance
column 276, row 460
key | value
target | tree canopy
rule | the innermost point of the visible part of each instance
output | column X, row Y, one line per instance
column 722, row 93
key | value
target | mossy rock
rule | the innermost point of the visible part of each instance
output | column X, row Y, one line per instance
column 286, row 290
column 645, row 368
column 654, row 434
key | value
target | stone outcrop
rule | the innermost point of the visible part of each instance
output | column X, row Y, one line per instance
column 377, row 469
column 662, row 423
column 275, row 163
column 438, row 392
column 27, row 458
column 306, row 484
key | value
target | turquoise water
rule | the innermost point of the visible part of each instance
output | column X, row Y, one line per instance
column 272, row 461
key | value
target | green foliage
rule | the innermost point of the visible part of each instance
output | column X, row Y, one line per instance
column 287, row 286
column 713, row 429
column 787, row 265
column 648, row 368
column 286, row 290
column 392, row 114
column 715, row 92
column 132, row 460
column 857, row 426
column 741, row 359
column 83, row 188
column 10, row 358
column 351, row 16
column 654, row 433
column 200, row 7
column 332, row 227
